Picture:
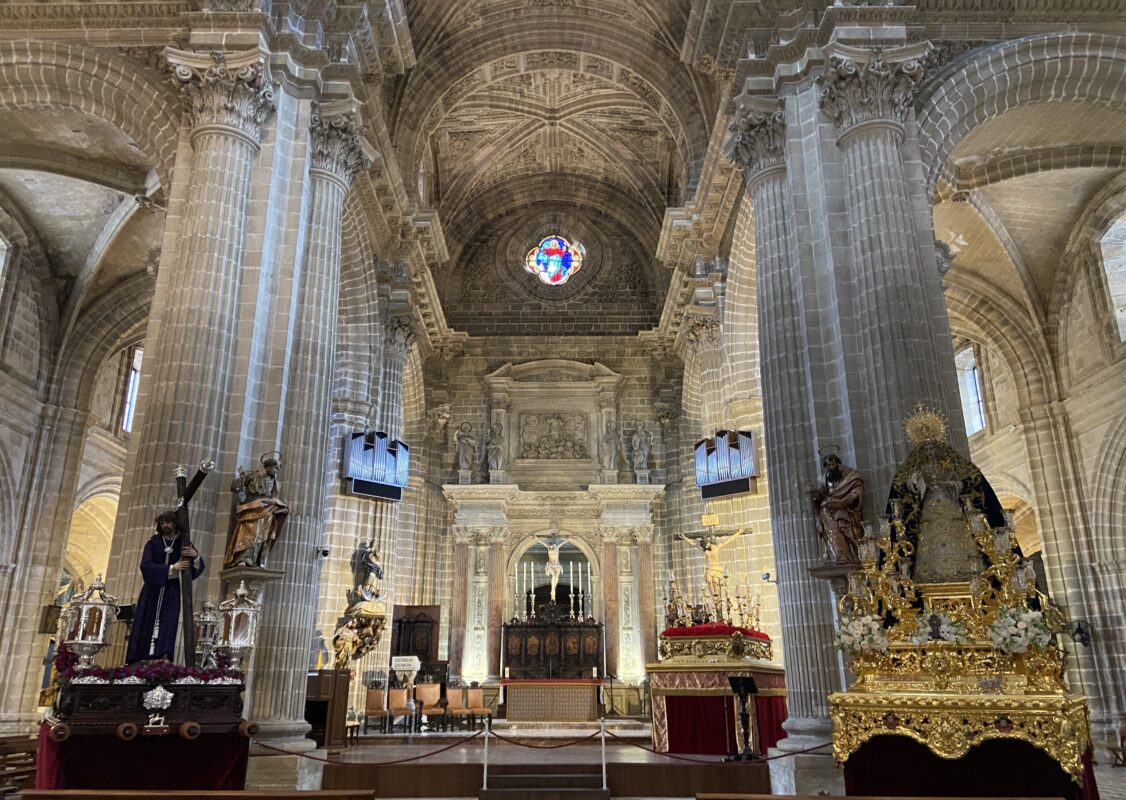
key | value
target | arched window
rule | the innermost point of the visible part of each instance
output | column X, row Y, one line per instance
column 969, row 387
column 132, row 382
column 1113, row 246
column 554, row 260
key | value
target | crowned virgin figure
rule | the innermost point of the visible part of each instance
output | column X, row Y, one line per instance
column 932, row 493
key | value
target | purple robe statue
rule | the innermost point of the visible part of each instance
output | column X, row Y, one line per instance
column 159, row 600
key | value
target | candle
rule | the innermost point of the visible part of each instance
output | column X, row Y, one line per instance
column 571, row 575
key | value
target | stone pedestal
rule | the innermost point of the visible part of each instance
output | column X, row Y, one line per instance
column 495, row 476
column 255, row 578
column 465, row 476
column 642, row 476
column 608, row 476
column 835, row 574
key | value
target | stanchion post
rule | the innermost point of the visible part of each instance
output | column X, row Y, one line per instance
column 602, row 727
column 485, row 772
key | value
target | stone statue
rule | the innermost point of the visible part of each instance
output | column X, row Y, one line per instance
column 930, row 494
column 838, row 501
column 439, row 418
column 639, row 443
column 553, row 569
column 495, row 448
column 370, row 586
column 608, row 450
column 257, row 515
column 713, row 570
column 344, row 643
column 466, row 444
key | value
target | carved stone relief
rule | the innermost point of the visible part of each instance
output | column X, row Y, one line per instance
column 554, row 436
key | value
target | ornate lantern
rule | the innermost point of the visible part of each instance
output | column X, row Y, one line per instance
column 206, row 633
column 239, row 628
column 85, row 623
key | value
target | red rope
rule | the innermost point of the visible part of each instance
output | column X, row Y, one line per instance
column 702, row 761
column 324, row 760
column 544, row 746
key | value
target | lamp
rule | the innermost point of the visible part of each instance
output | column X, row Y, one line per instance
column 743, row 686
column 206, row 633
column 85, row 622
column 239, row 626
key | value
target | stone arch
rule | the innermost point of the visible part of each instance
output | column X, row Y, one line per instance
column 1084, row 67
column 98, row 83
column 1109, row 497
column 27, row 270
column 90, row 533
column 985, row 314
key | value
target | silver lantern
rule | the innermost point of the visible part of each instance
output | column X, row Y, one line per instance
column 86, row 621
column 239, row 629
column 206, row 634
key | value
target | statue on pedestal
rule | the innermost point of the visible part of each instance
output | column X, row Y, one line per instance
column 838, row 501
column 608, row 449
column 640, row 442
column 466, row 444
column 494, row 450
column 257, row 515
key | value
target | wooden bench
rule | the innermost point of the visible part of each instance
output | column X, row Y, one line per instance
column 1119, row 752
column 160, row 794
column 17, row 763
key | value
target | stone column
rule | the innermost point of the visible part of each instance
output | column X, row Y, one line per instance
column 288, row 621
column 894, row 351
column 498, row 536
column 398, row 336
column 189, row 363
column 804, row 603
column 611, row 620
column 703, row 335
column 463, row 537
column 646, row 593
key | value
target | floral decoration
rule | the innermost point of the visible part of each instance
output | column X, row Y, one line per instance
column 862, row 634
column 1018, row 629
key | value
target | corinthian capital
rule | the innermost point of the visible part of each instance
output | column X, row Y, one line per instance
column 398, row 335
column 336, row 145
column 758, row 141
column 854, row 91
column 701, row 331
column 224, row 89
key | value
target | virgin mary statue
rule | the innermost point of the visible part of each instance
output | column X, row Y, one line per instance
column 933, row 491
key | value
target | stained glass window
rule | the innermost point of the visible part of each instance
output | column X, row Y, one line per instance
column 554, row 260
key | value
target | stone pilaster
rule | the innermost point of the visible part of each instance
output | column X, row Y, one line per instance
column 646, row 593
column 896, row 352
column 288, row 618
column 458, row 599
column 497, row 537
column 804, row 603
column 702, row 335
column 192, row 338
column 611, row 615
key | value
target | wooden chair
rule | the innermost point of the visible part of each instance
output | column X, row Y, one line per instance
column 456, row 707
column 375, row 710
column 475, row 701
column 428, row 697
column 397, row 707
column 17, row 763
column 1119, row 752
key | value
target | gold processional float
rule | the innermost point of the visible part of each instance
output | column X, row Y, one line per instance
column 943, row 626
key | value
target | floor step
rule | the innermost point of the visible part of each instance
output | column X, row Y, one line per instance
column 545, row 781
column 539, row 769
column 543, row 794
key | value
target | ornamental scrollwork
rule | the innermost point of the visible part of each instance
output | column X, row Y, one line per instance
column 758, row 141
column 336, row 145
column 855, row 92
column 230, row 91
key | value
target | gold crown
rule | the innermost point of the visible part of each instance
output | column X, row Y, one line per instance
column 925, row 425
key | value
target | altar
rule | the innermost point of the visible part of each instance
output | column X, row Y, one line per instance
column 551, row 700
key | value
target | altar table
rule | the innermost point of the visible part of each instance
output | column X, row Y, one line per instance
column 551, row 700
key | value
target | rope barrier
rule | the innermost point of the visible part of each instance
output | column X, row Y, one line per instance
column 325, row 760
column 543, row 746
column 703, row 761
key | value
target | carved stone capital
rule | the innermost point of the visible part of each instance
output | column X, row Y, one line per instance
column 701, row 332
column 759, row 141
column 613, row 534
column 224, row 90
column 398, row 335
column 463, row 534
column 855, row 91
column 336, row 145
column 643, row 533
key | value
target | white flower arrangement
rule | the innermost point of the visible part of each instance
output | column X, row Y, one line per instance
column 864, row 634
column 939, row 626
column 1015, row 630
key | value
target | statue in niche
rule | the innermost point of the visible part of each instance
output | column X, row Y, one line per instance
column 838, row 501
column 494, row 450
column 931, row 493
column 640, row 442
column 257, row 515
column 608, row 450
column 553, row 569
column 713, row 569
column 466, row 444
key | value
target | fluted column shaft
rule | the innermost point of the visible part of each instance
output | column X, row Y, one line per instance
column 804, row 604
column 189, row 366
column 289, row 617
column 611, row 619
column 458, row 602
column 646, row 596
column 497, row 578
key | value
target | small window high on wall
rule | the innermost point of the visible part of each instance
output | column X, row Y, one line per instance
column 132, row 382
column 1113, row 246
column 969, row 387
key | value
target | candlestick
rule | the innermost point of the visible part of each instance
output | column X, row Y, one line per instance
column 589, row 584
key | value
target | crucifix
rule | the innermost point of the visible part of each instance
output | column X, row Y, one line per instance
column 185, row 491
